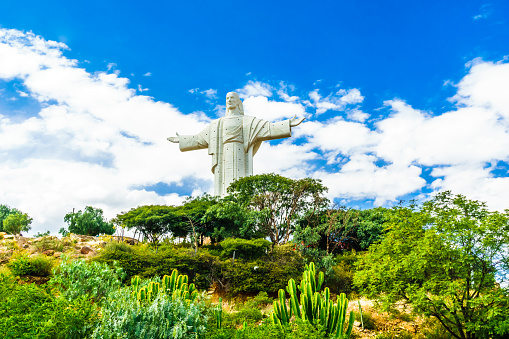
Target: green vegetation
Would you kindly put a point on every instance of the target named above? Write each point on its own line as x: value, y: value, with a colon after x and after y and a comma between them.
x: 89, y: 222
x: 23, y: 264
x: 441, y: 266
x: 448, y: 259
x: 78, y: 278
x: 29, y: 311
x: 16, y: 221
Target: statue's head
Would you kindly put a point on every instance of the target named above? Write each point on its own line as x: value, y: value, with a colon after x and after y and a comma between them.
x: 233, y: 104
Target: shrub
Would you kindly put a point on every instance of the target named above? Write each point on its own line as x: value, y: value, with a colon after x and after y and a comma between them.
x: 22, y: 264
x: 79, y: 278
x: 123, y: 316
x: 143, y: 261
x: 118, y: 246
x: 243, y: 248
x: 367, y: 320
x: 29, y: 311
x: 297, y: 330
x: 255, y: 276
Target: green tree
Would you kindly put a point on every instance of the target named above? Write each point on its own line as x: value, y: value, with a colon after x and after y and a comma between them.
x: 154, y: 221
x: 448, y: 259
x: 277, y: 202
x: 192, y: 214
x: 4, y: 212
x: 338, y: 228
x: 229, y: 219
x: 89, y: 222
x: 17, y: 222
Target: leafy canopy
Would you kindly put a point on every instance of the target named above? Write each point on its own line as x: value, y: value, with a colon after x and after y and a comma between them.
x: 277, y: 202
x: 448, y: 259
x: 89, y: 222
x: 17, y: 222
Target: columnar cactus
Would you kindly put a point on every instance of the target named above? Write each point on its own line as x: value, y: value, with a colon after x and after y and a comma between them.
x: 175, y: 286
x: 219, y: 313
x: 314, y: 306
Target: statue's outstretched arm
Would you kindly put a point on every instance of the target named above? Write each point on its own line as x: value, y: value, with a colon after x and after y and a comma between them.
x: 296, y: 121
x: 174, y: 139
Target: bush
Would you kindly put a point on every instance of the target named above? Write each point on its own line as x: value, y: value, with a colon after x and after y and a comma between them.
x: 79, y: 278
x: 118, y: 246
x: 29, y: 311
x: 123, y: 316
x: 143, y: 261
x: 22, y: 264
x: 255, y: 276
x: 367, y: 320
x: 243, y: 248
x: 297, y: 330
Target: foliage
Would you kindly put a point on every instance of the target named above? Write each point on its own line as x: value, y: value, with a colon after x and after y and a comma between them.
x: 124, y: 316
x: 142, y: 260
x: 449, y: 260
x: 29, y: 311
x: 266, y: 329
x: 22, y: 264
x: 40, y: 235
x: 277, y: 202
x: 117, y: 246
x: 252, y: 277
x: 314, y: 307
x: 93, y: 280
x: 89, y: 222
x: 17, y: 222
x: 229, y: 219
x: 192, y: 217
x: 340, y: 229
x: 243, y: 248
x: 153, y: 221
x: 4, y: 212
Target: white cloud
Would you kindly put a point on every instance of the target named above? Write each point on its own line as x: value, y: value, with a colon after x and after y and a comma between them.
x: 337, y: 136
x: 361, y: 178
x: 147, y: 74
x: 141, y: 89
x: 357, y: 115
x: 210, y: 93
x: 285, y: 158
x: 270, y: 110
x: 485, y: 12
x: 254, y: 89
x: 92, y: 145
x: 334, y: 101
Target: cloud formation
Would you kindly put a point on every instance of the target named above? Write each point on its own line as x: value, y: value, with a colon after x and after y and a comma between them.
x: 96, y: 141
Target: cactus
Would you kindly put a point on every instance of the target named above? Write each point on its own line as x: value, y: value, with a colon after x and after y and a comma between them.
x: 135, y: 282
x: 175, y: 286
x: 219, y: 313
x: 314, y: 307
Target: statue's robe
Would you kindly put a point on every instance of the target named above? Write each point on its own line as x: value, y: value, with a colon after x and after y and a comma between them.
x: 233, y: 141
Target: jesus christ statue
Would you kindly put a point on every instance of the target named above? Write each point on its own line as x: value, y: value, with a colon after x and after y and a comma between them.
x: 233, y: 140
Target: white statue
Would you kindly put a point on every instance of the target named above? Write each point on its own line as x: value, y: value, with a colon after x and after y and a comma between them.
x: 233, y: 141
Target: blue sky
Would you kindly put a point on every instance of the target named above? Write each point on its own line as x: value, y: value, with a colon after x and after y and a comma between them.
x: 402, y: 98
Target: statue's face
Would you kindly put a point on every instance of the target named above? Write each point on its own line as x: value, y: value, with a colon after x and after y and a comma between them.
x: 231, y: 101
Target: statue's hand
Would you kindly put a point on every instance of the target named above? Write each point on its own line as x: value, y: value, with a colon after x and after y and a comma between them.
x: 296, y: 121
x: 174, y: 139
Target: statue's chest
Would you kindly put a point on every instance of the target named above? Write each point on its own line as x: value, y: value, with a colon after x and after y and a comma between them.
x: 232, y: 129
